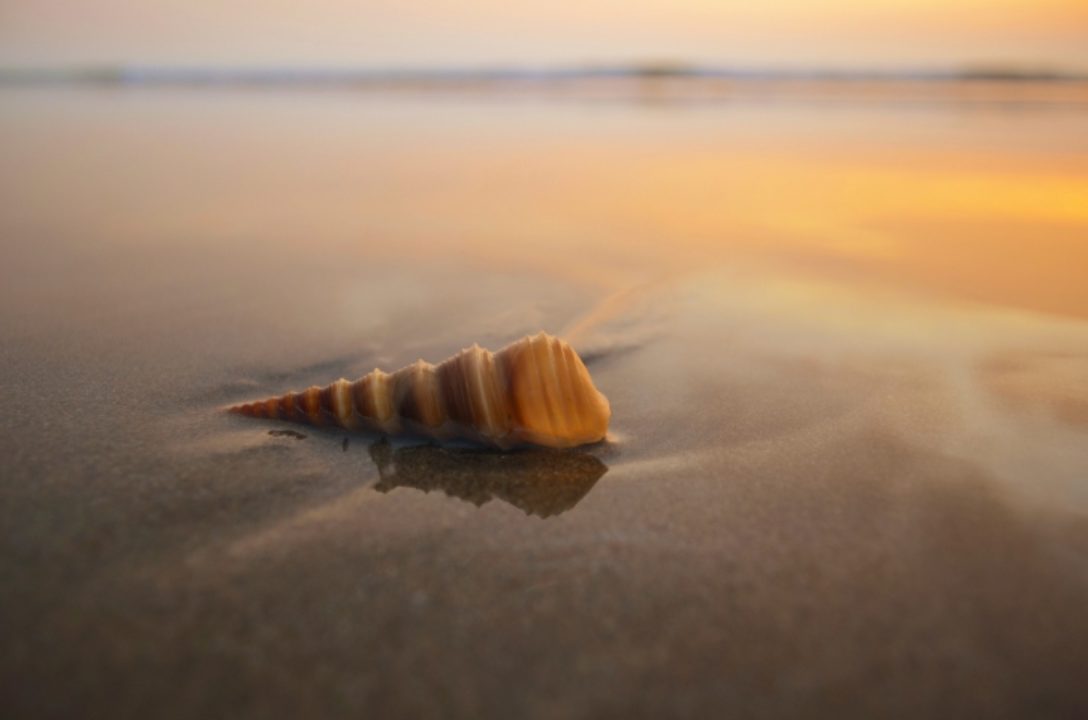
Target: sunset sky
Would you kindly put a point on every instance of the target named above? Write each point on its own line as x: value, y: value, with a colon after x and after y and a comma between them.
x: 776, y: 33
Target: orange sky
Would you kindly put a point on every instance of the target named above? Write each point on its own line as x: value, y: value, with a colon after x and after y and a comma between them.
x: 835, y: 33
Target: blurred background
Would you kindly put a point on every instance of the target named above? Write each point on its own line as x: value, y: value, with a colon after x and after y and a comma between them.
x: 783, y: 34
x: 828, y: 261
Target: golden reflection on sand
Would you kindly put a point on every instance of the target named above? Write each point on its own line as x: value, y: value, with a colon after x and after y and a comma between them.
x: 987, y: 208
x: 921, y: 221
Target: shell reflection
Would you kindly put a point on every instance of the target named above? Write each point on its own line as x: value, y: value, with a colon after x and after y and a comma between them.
x: 538, y: 482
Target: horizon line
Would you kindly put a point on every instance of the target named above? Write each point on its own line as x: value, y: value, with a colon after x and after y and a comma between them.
x: 137, y: 74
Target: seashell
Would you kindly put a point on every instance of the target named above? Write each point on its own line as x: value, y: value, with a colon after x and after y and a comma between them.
x: 536, y: 391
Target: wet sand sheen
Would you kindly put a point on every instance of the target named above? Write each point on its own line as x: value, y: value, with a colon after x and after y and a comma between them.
x: 845, y: 350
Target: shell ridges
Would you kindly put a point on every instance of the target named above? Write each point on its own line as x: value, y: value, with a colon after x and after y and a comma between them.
x: 533, y: 391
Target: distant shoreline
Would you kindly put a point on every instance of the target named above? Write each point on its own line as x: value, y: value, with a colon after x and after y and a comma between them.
x: 153, y: 75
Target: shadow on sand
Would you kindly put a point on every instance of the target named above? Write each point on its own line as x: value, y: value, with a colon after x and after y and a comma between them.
x: 538, y: 482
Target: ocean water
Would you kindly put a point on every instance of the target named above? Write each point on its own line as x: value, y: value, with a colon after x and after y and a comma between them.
x: 843, y: 335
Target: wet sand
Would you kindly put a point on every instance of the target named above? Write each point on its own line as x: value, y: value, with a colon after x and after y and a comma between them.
x: 844, y: 343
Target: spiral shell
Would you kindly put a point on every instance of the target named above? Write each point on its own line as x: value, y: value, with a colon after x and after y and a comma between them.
x: 535, y: 391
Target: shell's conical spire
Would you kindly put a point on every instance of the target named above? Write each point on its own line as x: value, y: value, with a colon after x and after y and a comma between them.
x: 536, y: 390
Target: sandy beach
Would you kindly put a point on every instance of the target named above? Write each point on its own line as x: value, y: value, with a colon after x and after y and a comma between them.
x: 845, y: 342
